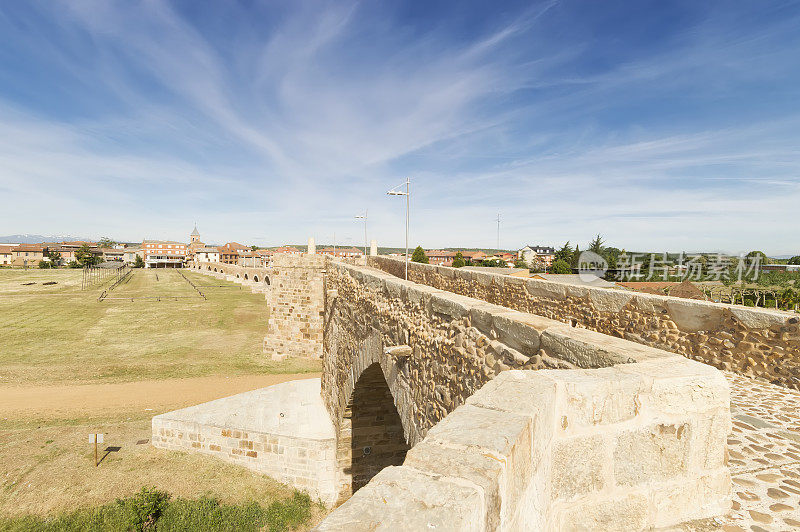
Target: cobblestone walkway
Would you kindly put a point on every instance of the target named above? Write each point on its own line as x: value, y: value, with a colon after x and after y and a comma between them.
x: 764, y: 456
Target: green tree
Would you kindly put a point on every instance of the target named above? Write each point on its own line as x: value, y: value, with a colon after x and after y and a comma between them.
x: 565, y: 253
x: 85, y: 257
x: 596, y: 245
x: 758, y: 254
x: 55, y: 259
x: 458, y: 261
x: 73, y: 264
x: 794, y: 260
x: 419, y: 256
x: 43, y: 264
x: 576, y: 257
x: 139, y: 262
x: 253, y: 248
x: 106, y: 242
x: 560, y: 266
x: 519, y: 263
x: 493, y: 263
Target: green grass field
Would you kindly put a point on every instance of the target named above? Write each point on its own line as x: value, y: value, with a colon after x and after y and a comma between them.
x: 62, y: 334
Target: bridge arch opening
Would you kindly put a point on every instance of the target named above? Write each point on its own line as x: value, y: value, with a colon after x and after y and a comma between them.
x: 237, y: 275
x: 215, y: 269
x: 245, y: 277
x: 255, y: 278
x: 266, y: 279
x: 376, y: 435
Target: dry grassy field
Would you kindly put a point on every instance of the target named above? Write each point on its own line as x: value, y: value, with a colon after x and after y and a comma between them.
x: 62, y: 334
x: 71, y: 365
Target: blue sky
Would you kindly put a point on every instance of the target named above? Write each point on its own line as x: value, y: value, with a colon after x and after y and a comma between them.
x: 662, y: 125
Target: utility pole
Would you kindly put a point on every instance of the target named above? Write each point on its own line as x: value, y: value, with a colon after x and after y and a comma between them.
x: 498, y: 231
x: 407, y: 194
x: 364, y: 217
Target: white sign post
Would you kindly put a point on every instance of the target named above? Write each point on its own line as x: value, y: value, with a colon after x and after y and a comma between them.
x: 95, y: 438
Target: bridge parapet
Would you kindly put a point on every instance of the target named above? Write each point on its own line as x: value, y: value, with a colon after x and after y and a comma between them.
x: 749, y: 341
x: 584, y: 431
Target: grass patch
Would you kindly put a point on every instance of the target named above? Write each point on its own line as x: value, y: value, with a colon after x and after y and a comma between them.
x: 61, y: 334
x: 154, y: 510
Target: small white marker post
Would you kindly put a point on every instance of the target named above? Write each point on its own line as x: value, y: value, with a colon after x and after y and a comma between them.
x: 95, y: 438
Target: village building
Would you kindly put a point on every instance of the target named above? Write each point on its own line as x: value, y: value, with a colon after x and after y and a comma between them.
x: 6, y: 255
x: 194, y: 243
x: 206, y: 254
x: 163, y: 254
x: 29, y: 255
x: 130, y: 253
x: 230, y: 252
x: 545, y: 254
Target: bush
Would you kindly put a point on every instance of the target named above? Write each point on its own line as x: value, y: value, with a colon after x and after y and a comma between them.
x: 73, y: 264
x: 43, y: 264
x: 143, y: 509
x: 560, y: 266
x: 458, y: 261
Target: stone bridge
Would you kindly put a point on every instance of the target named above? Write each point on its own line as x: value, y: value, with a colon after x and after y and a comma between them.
x: 445, y: 403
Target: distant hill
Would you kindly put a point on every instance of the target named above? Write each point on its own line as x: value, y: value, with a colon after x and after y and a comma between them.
x: 35, y: 239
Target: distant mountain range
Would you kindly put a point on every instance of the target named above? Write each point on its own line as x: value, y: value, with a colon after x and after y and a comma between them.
x: 35, y: 239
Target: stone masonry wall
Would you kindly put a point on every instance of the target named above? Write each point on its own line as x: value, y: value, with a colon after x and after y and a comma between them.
x: 448, y: 346
x: 617, y: 436
x: 283, y: 431
x: 748, y: 341
x: 295, y: 306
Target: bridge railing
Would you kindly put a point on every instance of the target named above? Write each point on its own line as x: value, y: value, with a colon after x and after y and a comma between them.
x: 749, y: 341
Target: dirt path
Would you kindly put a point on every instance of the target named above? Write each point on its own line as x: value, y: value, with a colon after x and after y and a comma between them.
x: 154, y: 396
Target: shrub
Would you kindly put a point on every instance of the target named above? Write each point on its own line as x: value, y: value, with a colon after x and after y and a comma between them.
x: 44, y: 264
x: 560, y: 266
x: 143, y: 509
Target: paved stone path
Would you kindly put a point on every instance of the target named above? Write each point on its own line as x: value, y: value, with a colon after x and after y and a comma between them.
x: 764, y: 456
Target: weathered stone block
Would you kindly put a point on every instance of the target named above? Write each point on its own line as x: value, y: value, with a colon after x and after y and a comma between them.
x: 583, y: 348
x: 612, y: 514
x: 694, y: 316
x: 577, y: 467
x: 597, y: 397
x: 608, y: 300
x: 655, y: 453
x: 706, y: 496
x: 470, y: 464
x: 400, y: 498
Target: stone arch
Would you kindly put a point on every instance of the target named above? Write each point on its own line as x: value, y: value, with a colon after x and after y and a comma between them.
x: 255, y: 278
x: 237, y: 275
x: 208, y: 268
x: 245, y: 277
x: 266, y: 280
x: 376, y: 429
x: 215, y: 269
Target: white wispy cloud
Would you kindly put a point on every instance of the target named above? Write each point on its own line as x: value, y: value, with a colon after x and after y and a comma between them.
x: 280, y: 123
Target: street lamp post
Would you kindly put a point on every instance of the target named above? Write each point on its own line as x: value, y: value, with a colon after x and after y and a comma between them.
x: 407, y: 194
x: 364, y: 217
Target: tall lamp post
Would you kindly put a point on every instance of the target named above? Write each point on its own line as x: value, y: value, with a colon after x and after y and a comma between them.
x: 407, y: 194
x: 364, y: 217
